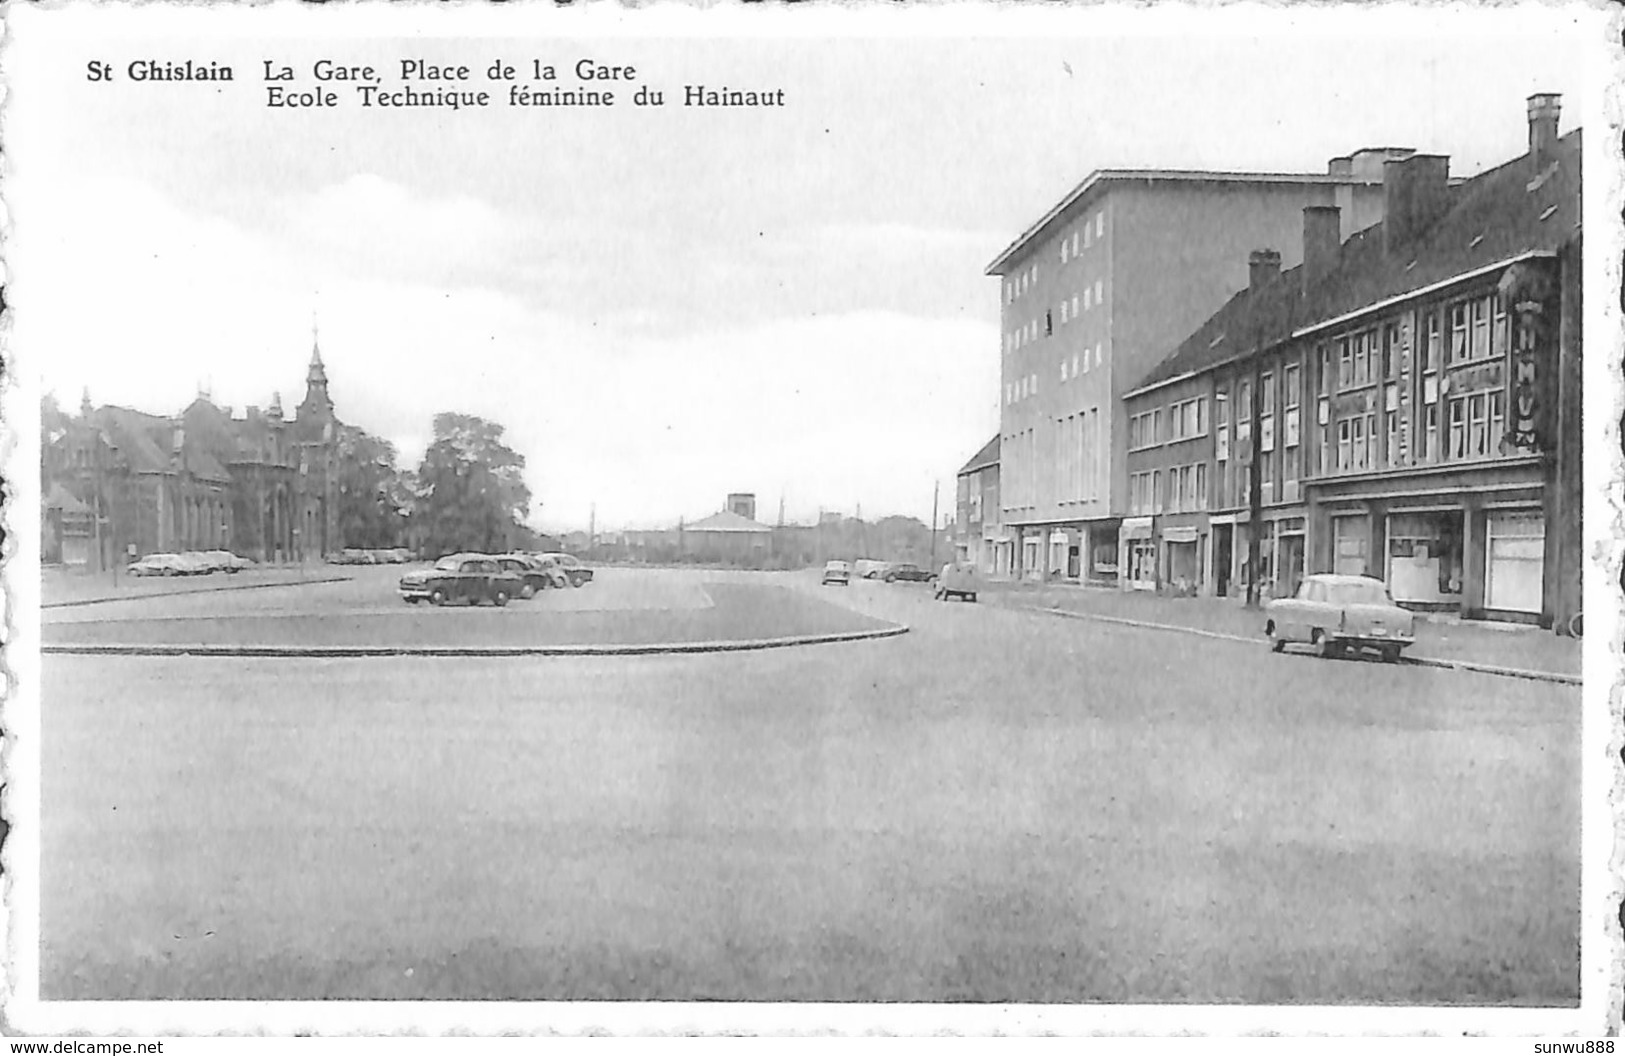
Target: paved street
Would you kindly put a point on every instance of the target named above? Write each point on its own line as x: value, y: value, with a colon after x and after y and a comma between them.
x: 998, y: 806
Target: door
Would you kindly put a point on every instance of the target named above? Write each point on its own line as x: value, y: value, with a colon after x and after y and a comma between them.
x: 1223, y: 546
x: 1290, y: 573
x: 1349, y: 538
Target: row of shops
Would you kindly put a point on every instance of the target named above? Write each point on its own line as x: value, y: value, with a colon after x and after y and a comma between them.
x: 1483, y: 552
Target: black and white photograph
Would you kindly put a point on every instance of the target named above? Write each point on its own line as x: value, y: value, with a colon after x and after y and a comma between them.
x: 954, y: 519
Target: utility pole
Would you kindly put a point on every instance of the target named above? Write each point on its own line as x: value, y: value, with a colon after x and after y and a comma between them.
x: 936, y: 487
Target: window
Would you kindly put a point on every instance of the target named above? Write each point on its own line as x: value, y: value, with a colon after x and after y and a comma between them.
x: 1098, y: 353
x: 1345, y: 450
x: 1157, y: 435
x: 1088, y: 298
x: 1266, y: 415
x: 1063, y: 370
x: 1009, y: 394
x: 1324, y: 354
x: 1498, y: 422
x: 1100, y: 225
x: 1074, y: 364
x: 1074, y: 306
x: 1100, y: 297
x: 1478, y: 425
x: 1393, y: 437
x: 1458, y: 428
x: 1499, y: 330
x: 1201, y: 485
x: 1156, y: 491
x: 1221, y: 427
x: 1086, y: 233
x: 1391, y: 351
x: 1358, y: 437
x: 1371, y: 441
x: 1345, y: 364
x: 1066, y: 245
x: 1432, y: 422
x: 1481, y: 328
x: 1364, y: 353
x: 1033, y: 385
x: 1291, y: 376
x: 1063, y: 313
x: 1458, y: 332
x: 1074, y: 243
x: 1086, y: 361
x: 1430, y: 354
x: 1049, y: 323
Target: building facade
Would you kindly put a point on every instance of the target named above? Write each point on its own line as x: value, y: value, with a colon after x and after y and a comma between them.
x: 263, y: 485
x: 979, y: 536
x: 1094, y: 294
x: 1415, y: 393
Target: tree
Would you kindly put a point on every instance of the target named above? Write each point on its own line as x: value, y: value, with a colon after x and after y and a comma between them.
x: 371, y: 514
x: 471, y: 492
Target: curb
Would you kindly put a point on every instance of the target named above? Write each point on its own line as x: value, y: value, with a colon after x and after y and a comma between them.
x: 1413, y: 661
x: 191, y: 590
x: 366, y: 651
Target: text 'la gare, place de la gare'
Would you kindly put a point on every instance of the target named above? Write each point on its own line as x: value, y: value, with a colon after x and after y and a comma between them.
x: 421, y: 82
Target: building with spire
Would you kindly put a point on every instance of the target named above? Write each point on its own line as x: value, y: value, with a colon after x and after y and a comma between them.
x: 261, y: 485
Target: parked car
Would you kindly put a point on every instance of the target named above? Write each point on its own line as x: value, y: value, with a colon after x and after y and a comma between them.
x: 577, y: 572
x: 1341, y: 614
x: 837, y: 572
x: 461, y: 578
x: 957, y: 581
x: 867, y: 568
x: 908, y: 573
x: 226, y: 561
x: 534, y: 575
x: 158, y: 565
x: 195, y: 564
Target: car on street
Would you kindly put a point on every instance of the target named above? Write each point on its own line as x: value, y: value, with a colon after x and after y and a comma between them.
x: 226, y: 561
x: 158, y: 565
x: 868, y: 568
x: 908, y: 573
x: 957, y: 581
x: 837, y: 572
x: 468, y: 579
x: 1339, y: 615
x: 534, y: 574
x: 578, y: 573
x: 196, y: 564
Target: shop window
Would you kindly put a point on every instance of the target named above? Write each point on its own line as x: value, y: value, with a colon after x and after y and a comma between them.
x: 1425, y: 557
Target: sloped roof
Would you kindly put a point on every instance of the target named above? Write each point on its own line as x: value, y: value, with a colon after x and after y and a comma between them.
x: 727, y: 521
x: 134, y: 434
x: 60, y: 498
x: 987, y: 456
x: 1507, y: 212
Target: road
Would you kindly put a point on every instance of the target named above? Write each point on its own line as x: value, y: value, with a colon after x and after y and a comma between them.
x: 998, y: 806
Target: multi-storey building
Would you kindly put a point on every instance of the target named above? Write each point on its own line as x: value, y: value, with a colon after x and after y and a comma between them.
x: 1415, y: 392
x: 977, y: 530
x: 262, y: 485
x: 1094, y: 294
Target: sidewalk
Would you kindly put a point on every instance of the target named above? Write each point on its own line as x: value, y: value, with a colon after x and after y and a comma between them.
x: 1442, y: 639
x: 60, y: 588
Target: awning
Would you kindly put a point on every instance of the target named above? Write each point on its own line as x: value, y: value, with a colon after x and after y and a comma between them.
x: 1136, y: 528
x: 1182, y: 534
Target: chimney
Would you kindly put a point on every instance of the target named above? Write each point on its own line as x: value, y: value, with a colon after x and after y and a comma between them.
x: 1544, y: 108
x: 1415, y: 194
x: 1369, y: 163
x: 1322, y: 242
x: 1343, y: 166
x: 1263, y: 265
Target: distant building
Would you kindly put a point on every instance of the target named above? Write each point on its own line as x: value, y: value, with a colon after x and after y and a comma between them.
x: 743, y: 504
x: 726, y: 538
x: 1094, y: 294
x: 262, y: 485
x: 978, y: 536
x: 1418, y: 403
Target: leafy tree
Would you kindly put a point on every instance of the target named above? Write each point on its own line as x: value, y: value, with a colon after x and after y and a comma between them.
x: 471, y: 492
x: 370, y: 509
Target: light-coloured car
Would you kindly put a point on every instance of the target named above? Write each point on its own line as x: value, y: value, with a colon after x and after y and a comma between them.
x: 1341, y: 614
x: 577, y: 573
x: 226, y: 561
x: 196, y: 564
x: 158, y: 565
x: 837, y: 572
x: 957, y: 581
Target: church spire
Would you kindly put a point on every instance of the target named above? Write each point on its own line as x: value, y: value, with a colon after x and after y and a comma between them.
x: 318, y: 373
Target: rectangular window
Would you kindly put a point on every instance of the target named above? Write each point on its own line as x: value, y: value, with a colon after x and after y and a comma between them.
x: 1345, y: 364
x: 1498, y: 422
x: 1156, y: 434
x: 1063, y: 313
x: 1430, y: 355
x: 1100, y: 352
x: 1100, y: 296
x: 1074, y: 306
x: 1478, y: 425
x: 1088, y: 298
x: 1362, y: 358
x: 1500, y: 330
x: 1074, y: 364
x: 1156, y: 491
x: 1087, y: 236
x: 1063, y: 370
x: 1358, y: 435
x: 1458, y: 428
x: 1371, y: 459
x: 1393, y: 437
x: 1100, y: 225
x: 1049, y: 323
x: 1201, y: 486
x: 1325, y: 369
x: 1201, y: 416
x: 1481, y: 328
x: 1074, y: 243
x: 1066, y: 246
x: 1345, y: 449
x: 1390, y: 351
x: 1458, y: 332
x: 1432, y: 423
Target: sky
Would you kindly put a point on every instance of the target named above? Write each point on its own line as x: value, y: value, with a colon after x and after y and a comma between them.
x: 662, y: 306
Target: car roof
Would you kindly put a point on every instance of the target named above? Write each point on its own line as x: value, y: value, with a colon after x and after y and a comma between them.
x: 1341, y: 579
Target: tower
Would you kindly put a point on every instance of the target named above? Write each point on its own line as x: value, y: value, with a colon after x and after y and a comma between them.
x: 317, y: 405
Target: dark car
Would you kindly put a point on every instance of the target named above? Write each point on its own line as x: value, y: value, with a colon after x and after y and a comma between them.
x: 533, y: 575
x: 462, y: 579
x: 572, y: 568
x: 908, y: 573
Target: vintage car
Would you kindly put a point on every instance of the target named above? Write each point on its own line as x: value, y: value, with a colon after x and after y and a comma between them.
x: 957, y: 581
x: 226, y: 561
x: 573, y: 569
x: 908, y: 573
x: 1338, y: 615
x: 534, y: 574
x: 462, y: 578
x: 837, y: 572
x: 159, y: 565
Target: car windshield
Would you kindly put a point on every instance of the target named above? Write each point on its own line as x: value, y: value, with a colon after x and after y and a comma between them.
x: 1357, y: 594
x: 447, y: 564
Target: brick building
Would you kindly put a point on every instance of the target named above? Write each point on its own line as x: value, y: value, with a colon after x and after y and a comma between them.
x: 1416, y: 393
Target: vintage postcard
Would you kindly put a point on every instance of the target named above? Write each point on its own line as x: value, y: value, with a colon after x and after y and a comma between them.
x: 843, y: 519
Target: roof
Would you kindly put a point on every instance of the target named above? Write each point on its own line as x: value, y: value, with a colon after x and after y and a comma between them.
x: 133, y: 433
x: 1101, y: 177
x: 1505, y: 214
x: 59, y: 498
x: 987, y: 456
x: 726, y: 521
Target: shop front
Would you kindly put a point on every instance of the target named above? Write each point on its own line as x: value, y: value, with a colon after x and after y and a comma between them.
x: 1183, y: 558
x: 1060, y: 544
x: 1514, y: 561
x: 1426, y: 558
x: 1139, y: 554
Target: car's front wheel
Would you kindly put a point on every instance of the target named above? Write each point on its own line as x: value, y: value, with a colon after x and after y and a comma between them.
x: 437, y: 596
x: 527, y: 591
x: 500, y: 598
